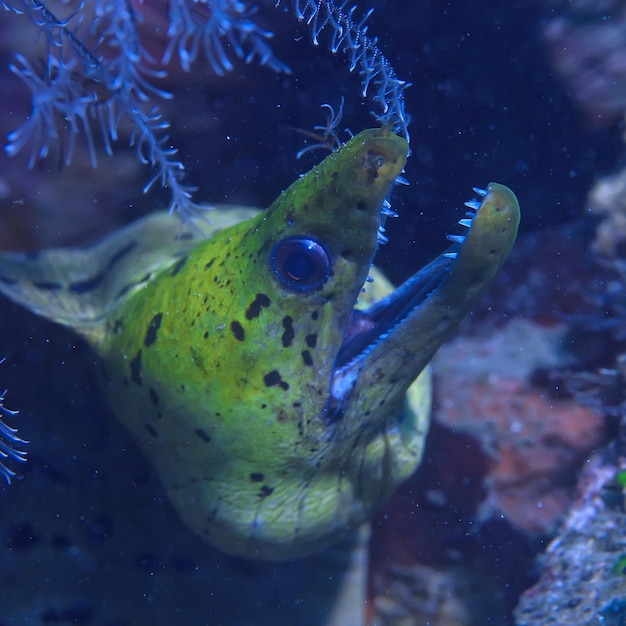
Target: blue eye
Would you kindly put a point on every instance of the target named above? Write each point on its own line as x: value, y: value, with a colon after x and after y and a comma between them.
x: 300, y: 263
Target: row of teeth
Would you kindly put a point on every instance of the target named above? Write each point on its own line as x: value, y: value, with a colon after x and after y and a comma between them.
x: 387, y: 211
x: 466, y: 222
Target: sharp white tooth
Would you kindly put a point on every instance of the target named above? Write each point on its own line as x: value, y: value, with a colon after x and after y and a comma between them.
x: 401, y: 180
x: 473, y: 204
x: 466, y: 222
x: 388, y: 212
x: 450, y: 255
x: 479, y: 191
x: 456, y: 238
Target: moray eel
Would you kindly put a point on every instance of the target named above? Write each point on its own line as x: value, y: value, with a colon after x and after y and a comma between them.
x: 278, y: 415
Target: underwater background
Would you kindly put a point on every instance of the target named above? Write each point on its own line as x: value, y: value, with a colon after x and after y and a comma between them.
x: 516, y: 515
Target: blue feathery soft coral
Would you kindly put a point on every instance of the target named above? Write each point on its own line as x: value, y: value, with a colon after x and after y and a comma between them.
x: 84, y: 91
x: 10, y: 444
x: 349, y: 34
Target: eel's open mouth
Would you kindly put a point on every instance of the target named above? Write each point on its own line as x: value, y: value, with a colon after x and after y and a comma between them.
x: 366, y: 327
x: 426, y: 309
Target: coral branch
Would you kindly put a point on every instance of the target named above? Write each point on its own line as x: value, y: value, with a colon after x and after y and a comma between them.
x: 10, y: 443
x: 88, y: 89
x: 350, y: 36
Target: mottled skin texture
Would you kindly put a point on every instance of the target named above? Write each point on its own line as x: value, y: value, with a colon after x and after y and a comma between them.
x: 225, y: 371
x: 273, y: 434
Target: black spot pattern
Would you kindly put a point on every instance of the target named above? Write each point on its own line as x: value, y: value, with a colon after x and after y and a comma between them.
x: 202, y: 434
x: 95, y: 281
x: 135, y: 369
x: 274, y: 378
x: 120, y: 254
x: 311, y: 340
x: 153, y: 327
x: 271, y: 378
x: 47, y: 286
x: 152, y: 430
x: 238, y: 331
x: 265, y: 491
x: 307, y: 358
x: 126, y: 288
x: 88, y: 285
x: 154, y: 397
x: 254, y: 310
x: 257, y: 477
x: 289, y: 334
x: 178, y: 266
x: 266, y: 245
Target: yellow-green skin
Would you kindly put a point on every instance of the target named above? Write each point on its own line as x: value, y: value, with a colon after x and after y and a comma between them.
x: 228, y: 377
x: 222, y: 373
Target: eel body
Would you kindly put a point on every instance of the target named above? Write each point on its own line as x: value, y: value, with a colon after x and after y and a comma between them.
x: 278, y: 411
